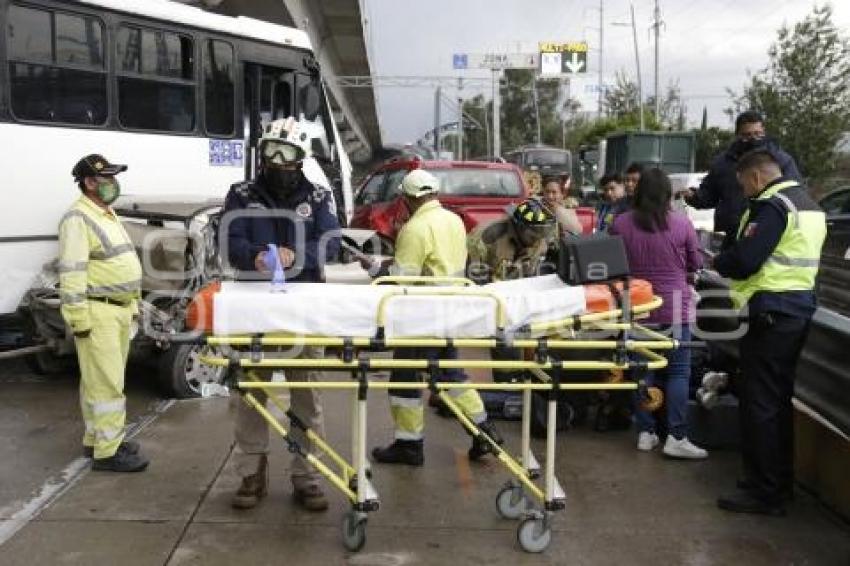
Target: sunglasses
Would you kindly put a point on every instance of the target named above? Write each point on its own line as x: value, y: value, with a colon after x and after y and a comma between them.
x: 280, y: 152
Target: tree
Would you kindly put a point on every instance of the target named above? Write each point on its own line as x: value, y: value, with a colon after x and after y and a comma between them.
x: 710, y: 142
x: 804, y: 92
x: 622, y: 101
x: 519, y: 123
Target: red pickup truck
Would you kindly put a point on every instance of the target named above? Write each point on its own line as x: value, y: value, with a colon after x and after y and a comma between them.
x: 477, y: 191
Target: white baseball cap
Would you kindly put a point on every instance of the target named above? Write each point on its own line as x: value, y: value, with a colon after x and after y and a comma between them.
x: 419, y: 183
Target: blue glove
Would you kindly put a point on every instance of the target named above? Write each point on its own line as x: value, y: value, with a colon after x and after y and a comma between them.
x: 272, y: 261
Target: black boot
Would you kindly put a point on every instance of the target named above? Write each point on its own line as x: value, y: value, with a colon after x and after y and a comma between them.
x: 746, y: 502
x: 121, y: 461
x: 408, y: 452
x: 480, y: 446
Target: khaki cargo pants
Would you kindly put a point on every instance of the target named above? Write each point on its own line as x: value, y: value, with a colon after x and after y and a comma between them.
x: 252, y: 430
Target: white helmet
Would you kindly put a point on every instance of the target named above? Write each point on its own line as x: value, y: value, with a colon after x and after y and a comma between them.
x: 285, y: 140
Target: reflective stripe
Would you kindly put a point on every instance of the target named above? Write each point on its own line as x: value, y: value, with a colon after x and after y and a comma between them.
x: 108, y: 249
x: 71, y: 298
x: 113, y: 251
x: 105, y: 435
x: 795, y: 261
x: 404, y: 435
x: 120, y: 288
x: 70, y: 267
x: 791, y: 207
x: 98, y: 231
x: 406, y: 402
x: 106, y: 407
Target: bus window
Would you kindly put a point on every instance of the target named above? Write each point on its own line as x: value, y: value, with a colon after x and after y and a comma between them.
x: 156, y: 90
x: 56, y: 69
x: 218, y: 88
x: 275, y: 96
x: 311, y: 108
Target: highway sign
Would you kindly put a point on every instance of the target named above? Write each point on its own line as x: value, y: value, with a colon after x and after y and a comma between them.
x: 495, y: 61
x: 563, y: 58
x: 503, y: 60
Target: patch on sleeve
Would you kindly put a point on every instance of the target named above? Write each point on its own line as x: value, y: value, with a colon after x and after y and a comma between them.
x: 304, y: 210
x: 750, y: 230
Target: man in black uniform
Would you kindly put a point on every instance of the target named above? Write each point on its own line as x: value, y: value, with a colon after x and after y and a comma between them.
x: 281, y: 207
x: 720, y: 189
x: 772, y: 265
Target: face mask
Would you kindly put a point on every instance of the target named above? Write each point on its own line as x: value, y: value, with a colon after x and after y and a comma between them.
x: 108, y: 191
x: 742, y: 146
x: 282, y: 181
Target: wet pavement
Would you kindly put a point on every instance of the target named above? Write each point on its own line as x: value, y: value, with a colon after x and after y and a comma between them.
x: 623, y: 507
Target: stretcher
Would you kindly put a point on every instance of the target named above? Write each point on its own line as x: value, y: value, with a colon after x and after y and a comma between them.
x: 536, y: 316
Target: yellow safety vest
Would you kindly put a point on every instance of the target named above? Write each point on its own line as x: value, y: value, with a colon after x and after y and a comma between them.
x: 432, y: 242
x: 96, y: 259
x: 793, y: 265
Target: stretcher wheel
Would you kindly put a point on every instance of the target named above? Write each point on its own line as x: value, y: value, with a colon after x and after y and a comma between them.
x: 353, y: 531
x: 533, y: 535
x: 511, y: 502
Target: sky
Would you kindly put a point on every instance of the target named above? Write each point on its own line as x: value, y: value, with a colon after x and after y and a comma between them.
x: 707, y: 45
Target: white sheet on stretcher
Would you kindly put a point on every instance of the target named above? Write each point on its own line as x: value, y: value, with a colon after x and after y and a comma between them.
x: 330, y: 309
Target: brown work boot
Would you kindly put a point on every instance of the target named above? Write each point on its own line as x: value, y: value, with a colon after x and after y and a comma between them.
x: 310, y: 497
x: 253, y: 488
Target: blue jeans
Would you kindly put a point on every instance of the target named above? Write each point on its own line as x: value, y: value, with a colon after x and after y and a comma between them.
x: 674, y: 381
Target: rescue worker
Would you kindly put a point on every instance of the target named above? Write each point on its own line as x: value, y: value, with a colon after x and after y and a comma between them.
x: 432, y: 242
x: 513, y: 247
x: 772, y: 266
x: 720, y: 189
x: 281, y: 207
x: 99, y: 287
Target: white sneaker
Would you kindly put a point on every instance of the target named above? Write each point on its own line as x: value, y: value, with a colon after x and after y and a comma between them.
x: 684, y: 449
x: 715, y: 380
x: 647, y: 441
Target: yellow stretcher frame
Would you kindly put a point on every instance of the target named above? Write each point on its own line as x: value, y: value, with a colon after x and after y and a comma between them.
x: 515, y: 500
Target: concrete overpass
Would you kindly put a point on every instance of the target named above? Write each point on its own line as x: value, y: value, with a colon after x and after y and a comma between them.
x: 336, y: 31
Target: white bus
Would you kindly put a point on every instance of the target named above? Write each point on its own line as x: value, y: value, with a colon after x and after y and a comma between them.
x: 177, y: 93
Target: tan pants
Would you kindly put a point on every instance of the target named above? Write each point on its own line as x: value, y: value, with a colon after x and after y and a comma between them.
x: 252, y: 430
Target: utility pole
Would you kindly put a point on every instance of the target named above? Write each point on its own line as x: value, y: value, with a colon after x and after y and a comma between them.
x: 437, y: 103
x: 637, y: 64
x: 536, y: 106
x: 486, y: 127
x: 459, y: 120
x: 656, y: 24
x: 601, y: 52
x: 497, y: 113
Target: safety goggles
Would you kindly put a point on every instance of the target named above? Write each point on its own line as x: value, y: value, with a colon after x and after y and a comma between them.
x: 281, y: 152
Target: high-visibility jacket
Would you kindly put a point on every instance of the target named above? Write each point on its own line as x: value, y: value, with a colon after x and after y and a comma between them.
x: 96, y: 259
x: 793, y: 265
x: 432, y: 242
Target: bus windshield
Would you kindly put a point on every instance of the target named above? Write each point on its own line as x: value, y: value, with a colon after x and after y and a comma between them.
x: 548, y: 157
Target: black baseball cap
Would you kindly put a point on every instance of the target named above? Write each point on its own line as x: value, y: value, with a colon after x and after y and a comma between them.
x: 94, y: 165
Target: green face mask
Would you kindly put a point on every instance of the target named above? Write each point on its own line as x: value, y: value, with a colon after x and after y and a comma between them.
x: 108, y: 191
